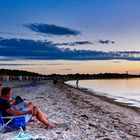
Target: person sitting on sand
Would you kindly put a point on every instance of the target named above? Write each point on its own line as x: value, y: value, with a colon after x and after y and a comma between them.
x: 20, y: 104
x: 31, y: 109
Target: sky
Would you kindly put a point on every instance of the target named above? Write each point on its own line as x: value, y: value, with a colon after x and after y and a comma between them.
x: 70, y: 36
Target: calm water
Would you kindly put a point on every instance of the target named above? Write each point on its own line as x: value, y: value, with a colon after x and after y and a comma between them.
x: 122, y: 90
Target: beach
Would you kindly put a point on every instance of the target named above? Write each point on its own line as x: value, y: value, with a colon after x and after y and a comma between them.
x: 84, y: 116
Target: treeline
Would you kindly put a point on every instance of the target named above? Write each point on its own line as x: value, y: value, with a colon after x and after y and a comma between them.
x: 78, y: 76
x: 5, y: 72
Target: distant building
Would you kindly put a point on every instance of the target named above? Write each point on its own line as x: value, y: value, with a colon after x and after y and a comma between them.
x: 20, y: 78
x: 5, y: 78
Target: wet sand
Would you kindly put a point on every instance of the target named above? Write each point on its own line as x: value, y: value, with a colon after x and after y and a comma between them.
x: 86, y: 116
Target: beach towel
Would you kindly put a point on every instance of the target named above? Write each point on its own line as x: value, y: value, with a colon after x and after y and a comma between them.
x: 22, y: 136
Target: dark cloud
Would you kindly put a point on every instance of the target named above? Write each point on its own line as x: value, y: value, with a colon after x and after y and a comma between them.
x: 106, y: 42
x: 85, y: 43
x: 75, y: 43
x: 4, y: 64
x: 13, y: 64
x: 52, y: 29
x: 46, y: 50
x: 24, y: 48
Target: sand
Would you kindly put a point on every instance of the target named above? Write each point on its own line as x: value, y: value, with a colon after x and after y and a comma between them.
x: 85, y: 116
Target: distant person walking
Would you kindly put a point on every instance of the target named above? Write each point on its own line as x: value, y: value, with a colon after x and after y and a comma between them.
x: 55, y: 81
x: 77, y: 82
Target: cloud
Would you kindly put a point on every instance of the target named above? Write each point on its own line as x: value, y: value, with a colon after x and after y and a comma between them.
x: 11, y: 33
x: 116, y: 61
x: 55, y: 64
x: 24, y: 48
x: 106, y: 42
x: 52, y: 29
x: 85, y: 43
x: 13, y: 64
x: 67, y: 69
x: 5, y: 64
x: 75, y: 43
x: 46, y: 50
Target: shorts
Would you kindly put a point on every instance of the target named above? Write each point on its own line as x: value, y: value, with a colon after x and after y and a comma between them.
x: 19, y: 106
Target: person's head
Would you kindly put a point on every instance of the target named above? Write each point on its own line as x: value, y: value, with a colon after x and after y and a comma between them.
x: 6, y: 92
x: 16, y: 100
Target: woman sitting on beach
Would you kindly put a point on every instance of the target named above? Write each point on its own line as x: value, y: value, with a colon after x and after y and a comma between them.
x: 20, y: 104
x: 30, y: 109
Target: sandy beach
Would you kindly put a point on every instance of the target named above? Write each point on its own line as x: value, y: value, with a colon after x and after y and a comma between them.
x: 86, y: 117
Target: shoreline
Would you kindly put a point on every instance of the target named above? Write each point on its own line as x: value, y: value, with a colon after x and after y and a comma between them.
x: 120, y: 116
x: 105, y: 98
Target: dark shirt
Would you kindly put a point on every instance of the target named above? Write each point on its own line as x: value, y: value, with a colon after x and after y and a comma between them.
x: 4, y: 105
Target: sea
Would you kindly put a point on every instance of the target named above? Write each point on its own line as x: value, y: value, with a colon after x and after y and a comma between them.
x: 121, y: 90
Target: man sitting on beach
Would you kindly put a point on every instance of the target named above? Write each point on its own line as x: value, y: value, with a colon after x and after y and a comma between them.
x: 31, y: 109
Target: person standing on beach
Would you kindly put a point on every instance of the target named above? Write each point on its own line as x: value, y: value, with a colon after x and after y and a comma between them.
x: 77, y: 81
x: 32, y: 109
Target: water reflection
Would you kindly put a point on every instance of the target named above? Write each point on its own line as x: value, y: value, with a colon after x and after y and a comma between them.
x: 122, y: 90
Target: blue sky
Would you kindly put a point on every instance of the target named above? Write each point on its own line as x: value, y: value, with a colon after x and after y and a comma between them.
x: 69, y: 30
